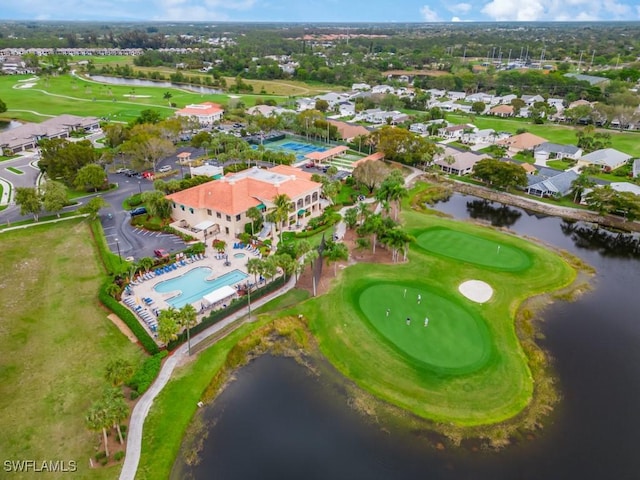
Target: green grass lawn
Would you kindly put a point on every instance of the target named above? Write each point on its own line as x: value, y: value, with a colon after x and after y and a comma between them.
x: 434, y: 329
x: 392, y: 365
x: 65, y: 94
x: 560, y: 164
x: 15, y: 170
x: 473, y: 249
x: 56, y: 342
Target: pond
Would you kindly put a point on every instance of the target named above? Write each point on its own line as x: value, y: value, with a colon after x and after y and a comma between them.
x: 135, y: 82
x: 276, y: 421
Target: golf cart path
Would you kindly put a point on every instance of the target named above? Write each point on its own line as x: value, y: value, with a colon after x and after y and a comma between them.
x: 140, y: 411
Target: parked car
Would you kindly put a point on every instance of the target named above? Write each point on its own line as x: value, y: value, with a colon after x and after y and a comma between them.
x: 161, y: 253
x: 131, y: 173
x: 138, y: 211
x: 122, y: 170
x: 147, y: 175
x: 165, y: 168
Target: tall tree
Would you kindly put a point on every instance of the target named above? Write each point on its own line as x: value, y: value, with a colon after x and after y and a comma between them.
x: 187, y: 317
x: 54, y: 197
x: 579, y: 185
x: 118, y: 371
x: 282, y: 208
x: 3, y: 106
x: 91, y: 176
x: 97, y: 419
x: 167, y: 325
x: 30, y: 201
x: 93, y: 206
x: 370, y: 174
x: 255, y: 215
x: 334, y: 252
x: 157, y: 204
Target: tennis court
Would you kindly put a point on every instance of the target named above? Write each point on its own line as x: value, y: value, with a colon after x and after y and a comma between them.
x: 299, y: 149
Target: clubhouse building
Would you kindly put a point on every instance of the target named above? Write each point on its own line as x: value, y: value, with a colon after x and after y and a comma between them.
x: 220, y: 206
x: 206, y: 114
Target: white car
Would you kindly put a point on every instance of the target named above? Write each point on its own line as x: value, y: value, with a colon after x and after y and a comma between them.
x: 165, y: 168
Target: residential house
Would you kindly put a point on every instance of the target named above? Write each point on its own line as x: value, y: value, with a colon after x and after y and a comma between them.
x: 530, y: 100
x: 26, y: 137
x: 550, y: 183
x: 522, y: 142
x: 221, y: 205
x: 549, y: 151
x: 349, y: 131
x: 305, y: 103
x: 382, y: 89
x: 606, y: 159
x: 206, y: 113
x: 333, y: 98
x: 487, y: 135
x: 264, y: 110
x: 504, y: 100
x: 456, y: 96
x: 378, y: 116
x: 361, y: 86
x: 580, y: 103
x: 502, y: 111
x: 346, y: 109
x: 457, y: 162
x: 456, y: 131
x: 479, y: 97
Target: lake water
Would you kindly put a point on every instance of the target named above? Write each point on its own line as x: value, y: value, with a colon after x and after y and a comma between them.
x: 277, y: 422
x: 135, y: 82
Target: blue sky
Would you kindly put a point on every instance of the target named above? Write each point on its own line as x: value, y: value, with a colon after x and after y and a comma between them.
x: 321, y: 10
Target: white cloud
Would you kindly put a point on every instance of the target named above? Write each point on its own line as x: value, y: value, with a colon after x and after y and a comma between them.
x: 460, y: 8
x: 557, y: 10
x: 455, y: 19
x: 429, y: 15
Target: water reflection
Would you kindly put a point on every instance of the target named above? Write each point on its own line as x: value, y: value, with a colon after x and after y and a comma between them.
x: 137, y: 82
x: 608, y: 243
x: 499, y: 215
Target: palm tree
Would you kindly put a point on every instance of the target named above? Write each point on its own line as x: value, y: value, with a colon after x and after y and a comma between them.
x: 146, y: 263
x: 167, y: 96
x: 118, y: 371
x: 286, y: 263
x: 270, y: 267
x: 579, y: 185
x: 254, y: 214
x: 113, y: 290
x: 310, y: 259
x: 98, y: 419
x: 336, y: 252
x: 255, y: 266
x: 187, y: 317
x: 167, y: 325
x: 282, y: 208
x: 116, y: 407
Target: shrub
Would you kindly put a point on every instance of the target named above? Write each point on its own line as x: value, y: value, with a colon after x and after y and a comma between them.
x: 100, y: 455
x: 147, y: 373
x: 127, y: 317
x: 133, y: 395
x: 135, y: 200
x: 118, y: 456
x: 104, y: 461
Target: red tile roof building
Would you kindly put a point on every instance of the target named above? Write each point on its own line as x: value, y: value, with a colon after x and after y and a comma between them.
x: 225, y: 201
x: 205, y: 113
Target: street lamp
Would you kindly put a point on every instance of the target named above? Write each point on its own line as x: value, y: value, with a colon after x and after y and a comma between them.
x: 118, y: 247
x: 249, y: 299
x: 140, y: 187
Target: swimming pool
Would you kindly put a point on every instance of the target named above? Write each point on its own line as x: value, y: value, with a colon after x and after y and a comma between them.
x: 194, y: 285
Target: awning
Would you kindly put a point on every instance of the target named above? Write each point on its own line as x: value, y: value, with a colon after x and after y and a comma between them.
x: 302, y: 211
x: 219, y: 294
x: 204, y: 225
x: 262, y: 206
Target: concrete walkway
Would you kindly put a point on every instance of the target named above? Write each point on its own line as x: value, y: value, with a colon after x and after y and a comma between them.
x: 140, y: 411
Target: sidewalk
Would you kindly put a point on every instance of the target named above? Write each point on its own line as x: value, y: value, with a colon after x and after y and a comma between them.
x: 140, y: 411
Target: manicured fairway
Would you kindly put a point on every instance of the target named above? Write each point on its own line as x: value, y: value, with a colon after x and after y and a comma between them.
x: 472, y: 249
x: 453, y: 341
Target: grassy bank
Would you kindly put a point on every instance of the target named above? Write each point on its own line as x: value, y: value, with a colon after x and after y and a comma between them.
x: 56, y: 340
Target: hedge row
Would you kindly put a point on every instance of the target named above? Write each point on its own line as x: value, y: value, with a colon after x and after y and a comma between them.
x: 217, y: 315
x: 332, y: 219
x: 147, y: 373
x: 127, y: 317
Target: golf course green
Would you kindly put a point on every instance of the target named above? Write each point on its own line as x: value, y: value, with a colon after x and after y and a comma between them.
x: 427, y: 326
x: 473, y: 249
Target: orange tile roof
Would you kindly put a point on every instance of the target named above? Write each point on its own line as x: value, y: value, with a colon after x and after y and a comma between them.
x: 373, y: 156
x: 233, y: 196
x: 502, y: 109
x: 347, y: 131
x: 289, y: 170
x: 523, y: 141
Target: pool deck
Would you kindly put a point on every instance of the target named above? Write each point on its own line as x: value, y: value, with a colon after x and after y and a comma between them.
x: 145, y: 288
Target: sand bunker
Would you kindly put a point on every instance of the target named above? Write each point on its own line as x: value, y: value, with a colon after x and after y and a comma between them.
x: 476, y: 291
x: 24, y: 85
